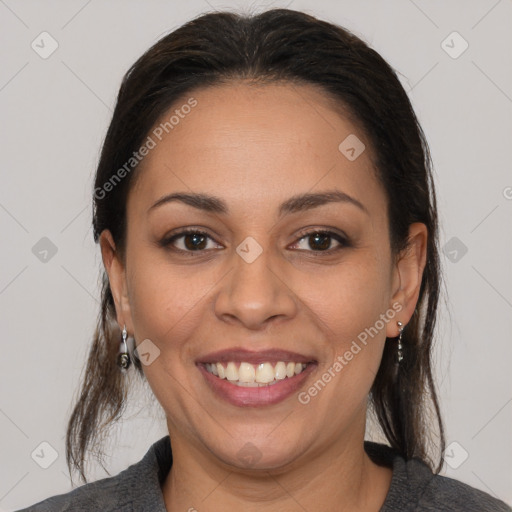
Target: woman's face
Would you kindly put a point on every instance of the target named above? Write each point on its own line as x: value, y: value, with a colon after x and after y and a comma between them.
x: 258, y: 288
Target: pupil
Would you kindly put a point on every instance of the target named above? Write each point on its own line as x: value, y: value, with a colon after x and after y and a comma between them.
x: 323, y: 238
x: 197, y: 238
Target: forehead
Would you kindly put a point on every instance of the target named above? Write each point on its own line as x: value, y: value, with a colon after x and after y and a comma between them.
x: 253, y: 144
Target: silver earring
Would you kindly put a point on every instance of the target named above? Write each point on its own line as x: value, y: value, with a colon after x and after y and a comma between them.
x: 123, y: 359
x: 400, y: 355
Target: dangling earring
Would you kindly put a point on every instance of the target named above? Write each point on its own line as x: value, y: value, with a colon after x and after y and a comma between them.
x: 400, y: 356
x: 123, y: 359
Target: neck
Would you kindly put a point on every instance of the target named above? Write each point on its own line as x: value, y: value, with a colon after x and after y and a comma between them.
x: 341, y: 478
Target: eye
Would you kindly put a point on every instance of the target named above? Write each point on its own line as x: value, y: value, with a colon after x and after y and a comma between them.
x: 193, y: 240
x: 320, y: 240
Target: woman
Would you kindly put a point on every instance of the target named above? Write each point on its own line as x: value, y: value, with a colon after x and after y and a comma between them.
x: 267, y: 220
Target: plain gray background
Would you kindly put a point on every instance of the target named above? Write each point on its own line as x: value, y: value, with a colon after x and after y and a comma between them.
x: 55, y: 112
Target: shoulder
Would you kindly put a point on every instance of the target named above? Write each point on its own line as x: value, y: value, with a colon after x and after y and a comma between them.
x: 99, y: 495
x: 136, y: 488
x: 444, y: 493
x: 414, y: 487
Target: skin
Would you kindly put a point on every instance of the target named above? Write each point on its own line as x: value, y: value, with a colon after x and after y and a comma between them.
x: 255, y: 147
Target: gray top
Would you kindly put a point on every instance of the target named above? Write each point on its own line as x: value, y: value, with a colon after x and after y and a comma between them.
x: 138, y: 488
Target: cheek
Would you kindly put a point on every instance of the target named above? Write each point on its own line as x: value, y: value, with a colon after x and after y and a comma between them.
x: 347, y: 305
x: 347, y: 312
x: 349, y: 297
x: 162, y: 299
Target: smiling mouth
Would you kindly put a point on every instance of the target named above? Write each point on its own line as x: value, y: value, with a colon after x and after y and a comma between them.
x: 245, y: 374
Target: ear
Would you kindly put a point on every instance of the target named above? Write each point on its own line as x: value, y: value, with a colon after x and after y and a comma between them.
x: 407, y: 276
x: 117, y: 279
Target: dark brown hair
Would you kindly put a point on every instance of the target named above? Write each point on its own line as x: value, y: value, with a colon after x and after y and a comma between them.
x: 290, y: 46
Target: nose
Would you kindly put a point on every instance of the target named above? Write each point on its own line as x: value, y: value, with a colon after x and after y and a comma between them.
x: 255, y: 294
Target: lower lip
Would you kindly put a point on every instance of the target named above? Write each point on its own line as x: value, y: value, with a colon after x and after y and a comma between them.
x: 257, y: 396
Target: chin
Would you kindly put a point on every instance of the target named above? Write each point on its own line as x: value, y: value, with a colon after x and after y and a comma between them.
x: 259, y: 452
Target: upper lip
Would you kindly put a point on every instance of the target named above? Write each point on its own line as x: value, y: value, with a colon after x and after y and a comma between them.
x: 254, y: 356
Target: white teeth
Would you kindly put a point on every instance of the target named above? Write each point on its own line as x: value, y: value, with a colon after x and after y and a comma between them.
x: 231, y: 371
x: 212, y: 368
x: 265, y: 373
x: 280, y: 370
x: 248, y: 375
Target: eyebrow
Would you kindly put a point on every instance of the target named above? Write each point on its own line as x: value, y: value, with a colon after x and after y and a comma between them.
x: 294, y: 204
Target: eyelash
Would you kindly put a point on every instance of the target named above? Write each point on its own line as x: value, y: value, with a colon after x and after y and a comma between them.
x: 168, y: 241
